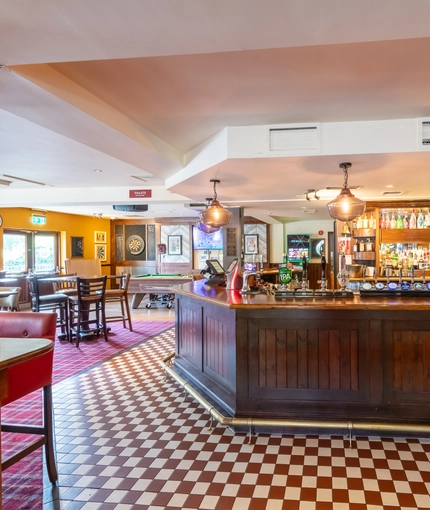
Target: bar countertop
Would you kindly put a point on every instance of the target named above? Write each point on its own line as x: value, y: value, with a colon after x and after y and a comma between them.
x: 234, y: 299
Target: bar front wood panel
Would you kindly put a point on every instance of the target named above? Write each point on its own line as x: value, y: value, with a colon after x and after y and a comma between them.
x: 358, y: 361
x: 189, y: 329
x: 304, y: 356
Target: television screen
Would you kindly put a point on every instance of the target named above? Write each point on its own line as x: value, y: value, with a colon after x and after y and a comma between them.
x: 203, y: 241
x: 298, y: 247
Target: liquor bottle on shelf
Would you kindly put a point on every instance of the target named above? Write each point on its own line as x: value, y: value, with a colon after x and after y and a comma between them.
x: 365, y: 222
x: 392, y: 221
x: 405, y: 221
x: 399, y: 222
x: 372, y: 222
x: 413, y: 220
x: 382, y: 222
x: 359, y: 223
x: 420, y: 220
x: 427, y: 219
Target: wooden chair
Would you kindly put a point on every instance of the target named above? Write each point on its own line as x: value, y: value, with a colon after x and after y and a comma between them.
x: 87, y: 310
x: 50, y: 302
x: 66, y: 284
x: 29, y: 376
x: 120, y: 296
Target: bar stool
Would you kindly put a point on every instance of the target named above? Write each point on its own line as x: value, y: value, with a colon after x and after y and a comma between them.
x: 29, y: 376
x: 50, y: 302
x: 120, y: 296
x: 87, y: 310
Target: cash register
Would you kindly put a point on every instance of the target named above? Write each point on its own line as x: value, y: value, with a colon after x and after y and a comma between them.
x: 214, y: 273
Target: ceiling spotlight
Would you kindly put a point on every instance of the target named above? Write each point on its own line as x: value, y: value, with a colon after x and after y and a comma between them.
x: 315, y: 195
x: 215, y: 215
x: 346, y: 206
x: 307, y: 197
x: 98, y: 215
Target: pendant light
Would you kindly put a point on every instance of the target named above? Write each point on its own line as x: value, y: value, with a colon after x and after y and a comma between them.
x: 346, y: 206
x: 215, y: 216
x: 205, y: 228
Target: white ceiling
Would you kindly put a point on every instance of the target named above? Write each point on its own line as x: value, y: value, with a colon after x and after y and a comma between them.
x: 166, y: 95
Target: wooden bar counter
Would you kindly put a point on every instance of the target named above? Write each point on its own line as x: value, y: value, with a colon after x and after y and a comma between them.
x: 347, y: 360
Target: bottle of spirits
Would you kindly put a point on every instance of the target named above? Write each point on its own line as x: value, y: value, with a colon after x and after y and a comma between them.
x: 392, y: 221
x: 382, y: 222
x: 420, y: 220
x: 405, y: 221
x: 428, y: 218
x: 372, y: 222
x: 387, y: 221
x: 360, y: 223
x: 399, y: 222
x: 365, y: 222
x: 413, y: 220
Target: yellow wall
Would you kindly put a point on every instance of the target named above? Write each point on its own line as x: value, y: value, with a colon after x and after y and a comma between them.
x: 69, y: 225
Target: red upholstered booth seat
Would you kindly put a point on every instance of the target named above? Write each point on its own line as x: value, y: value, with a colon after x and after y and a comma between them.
x: 31, y: 375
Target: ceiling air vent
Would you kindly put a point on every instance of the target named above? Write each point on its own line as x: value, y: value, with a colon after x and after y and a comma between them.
x: 424, y: 134
x: 293, y: 139
x: 391, y: 193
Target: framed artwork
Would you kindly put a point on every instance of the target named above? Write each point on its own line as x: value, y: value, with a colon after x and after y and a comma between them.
x: 251, y: 244
x: 77, y: 247
x: 99, y: 237
x: 317, y: 248
x: 100, y: 252
x: 174, y: 245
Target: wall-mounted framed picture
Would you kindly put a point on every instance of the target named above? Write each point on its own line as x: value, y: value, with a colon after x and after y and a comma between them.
x: 77, y: 247
x: 99, y: 237
x: 174, y: 245
x: 251, y: 244
x: 317, y: 248
x: 100, y: 252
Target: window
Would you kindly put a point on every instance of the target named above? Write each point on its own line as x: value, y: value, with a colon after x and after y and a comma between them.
x: 34, y: 251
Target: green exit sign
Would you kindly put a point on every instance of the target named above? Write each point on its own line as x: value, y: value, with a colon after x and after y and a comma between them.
x: 38, y: 220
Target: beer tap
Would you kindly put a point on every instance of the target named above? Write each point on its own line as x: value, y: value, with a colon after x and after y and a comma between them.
x: 323, y: 292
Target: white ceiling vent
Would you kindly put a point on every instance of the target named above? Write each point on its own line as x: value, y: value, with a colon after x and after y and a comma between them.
x: 293, y: 139
x: 424, y: 134
x: 391, y: 193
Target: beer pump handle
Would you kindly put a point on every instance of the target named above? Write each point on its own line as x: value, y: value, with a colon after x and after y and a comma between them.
x: 323, y: 263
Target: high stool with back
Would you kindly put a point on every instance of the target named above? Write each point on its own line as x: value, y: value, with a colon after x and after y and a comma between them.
x: 29, y: 376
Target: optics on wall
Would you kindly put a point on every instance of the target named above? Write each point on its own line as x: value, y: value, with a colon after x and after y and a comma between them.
x: 215, y: 216
x: 346, y: 206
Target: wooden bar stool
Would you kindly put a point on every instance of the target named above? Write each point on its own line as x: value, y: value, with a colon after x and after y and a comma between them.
x: 87, y: 310
x: 120, y: 296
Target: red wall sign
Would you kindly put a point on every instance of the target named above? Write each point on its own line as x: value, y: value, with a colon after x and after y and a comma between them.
x: 140, y: 193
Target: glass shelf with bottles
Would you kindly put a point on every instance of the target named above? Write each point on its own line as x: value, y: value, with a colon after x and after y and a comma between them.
x: 404, y: 219
x: 406, y: 256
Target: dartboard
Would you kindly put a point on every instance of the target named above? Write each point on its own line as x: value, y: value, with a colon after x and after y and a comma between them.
x: 135, y: 244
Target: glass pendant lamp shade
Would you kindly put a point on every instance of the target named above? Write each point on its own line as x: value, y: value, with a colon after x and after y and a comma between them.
x: 215, y: 216
x: 346, y: 206
x: 206, y: 228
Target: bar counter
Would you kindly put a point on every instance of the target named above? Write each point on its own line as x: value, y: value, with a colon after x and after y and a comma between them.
x: 360, y: 360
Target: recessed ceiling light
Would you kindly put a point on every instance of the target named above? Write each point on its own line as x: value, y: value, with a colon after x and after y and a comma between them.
x: 98, y: 170
x: 389, y: 186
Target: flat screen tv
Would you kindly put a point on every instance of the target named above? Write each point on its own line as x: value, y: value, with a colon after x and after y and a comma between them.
x: 298, y: 247
x: 203, y: 241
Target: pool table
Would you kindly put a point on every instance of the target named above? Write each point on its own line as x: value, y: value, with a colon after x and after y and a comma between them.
x: 154, y: 284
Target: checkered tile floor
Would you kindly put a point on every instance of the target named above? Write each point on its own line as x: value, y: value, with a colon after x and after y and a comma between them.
x: 127, y: 440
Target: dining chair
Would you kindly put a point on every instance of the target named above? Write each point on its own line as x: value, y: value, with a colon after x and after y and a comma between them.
x: 120, y: 296
x: 65, y: 284
x: 26, y: 377
x: 87, y: 316
x: 10, y: 303
x: 50, y: 302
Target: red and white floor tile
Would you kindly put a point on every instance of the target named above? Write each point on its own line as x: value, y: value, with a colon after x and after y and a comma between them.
x: 127, y: 440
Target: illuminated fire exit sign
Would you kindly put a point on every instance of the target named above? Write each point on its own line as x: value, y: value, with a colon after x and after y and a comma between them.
x: 38, y: 220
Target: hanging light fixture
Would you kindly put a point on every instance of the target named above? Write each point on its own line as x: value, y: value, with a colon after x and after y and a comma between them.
x: 346, y: 206
x: 215, y: 215
x: 205, y: 228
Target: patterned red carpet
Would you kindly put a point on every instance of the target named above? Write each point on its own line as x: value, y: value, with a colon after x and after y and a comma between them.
x: 68, y: 361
